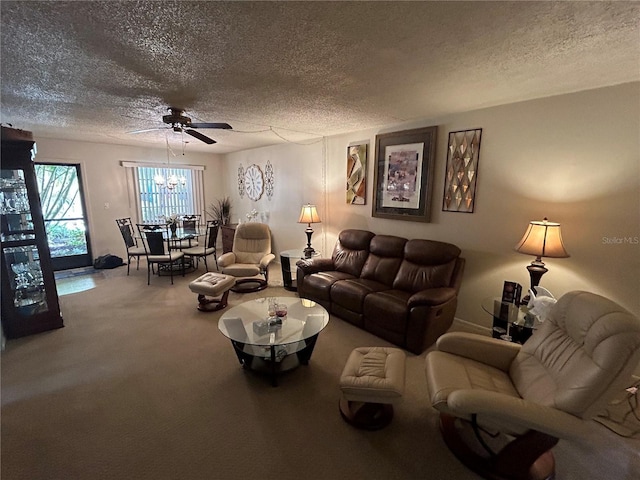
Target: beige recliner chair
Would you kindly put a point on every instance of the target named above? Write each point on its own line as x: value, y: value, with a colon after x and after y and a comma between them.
x: 503, y: 406
x: 249, y: 258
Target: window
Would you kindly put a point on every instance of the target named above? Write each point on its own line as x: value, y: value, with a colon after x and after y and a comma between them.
x: 149, y: 202
x: 157, y: 201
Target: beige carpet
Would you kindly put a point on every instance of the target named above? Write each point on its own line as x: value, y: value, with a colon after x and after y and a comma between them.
x: 141, y: 385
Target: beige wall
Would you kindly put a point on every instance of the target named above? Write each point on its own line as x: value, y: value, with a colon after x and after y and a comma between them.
x: 574, y: 158
x: 298, y: 172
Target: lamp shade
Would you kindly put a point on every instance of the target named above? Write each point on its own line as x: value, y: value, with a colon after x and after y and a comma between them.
x: 542, y: 239
x: 309, y: 214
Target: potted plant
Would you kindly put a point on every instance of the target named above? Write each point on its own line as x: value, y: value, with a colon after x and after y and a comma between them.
x: 220, y: 210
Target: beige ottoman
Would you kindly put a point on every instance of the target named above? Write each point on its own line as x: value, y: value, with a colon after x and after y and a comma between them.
x: 212, y: 285
x: 371, y: 381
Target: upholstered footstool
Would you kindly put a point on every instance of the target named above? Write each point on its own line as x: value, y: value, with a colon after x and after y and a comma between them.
x: 212, y: 285
x: 372, y: 379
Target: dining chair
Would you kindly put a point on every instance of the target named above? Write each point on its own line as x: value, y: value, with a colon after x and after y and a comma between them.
x: 131, y: 242
x: 190, y: 228
x: 208, y: 247
x: 154, y: 238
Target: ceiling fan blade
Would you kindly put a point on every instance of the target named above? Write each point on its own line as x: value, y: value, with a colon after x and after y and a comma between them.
x: 223, y: 126
x: 147, y: 130
x: 200, y: 137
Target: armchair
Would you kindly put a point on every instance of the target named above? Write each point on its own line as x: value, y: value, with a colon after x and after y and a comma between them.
x: 249, y: 258
x: 503, y: 406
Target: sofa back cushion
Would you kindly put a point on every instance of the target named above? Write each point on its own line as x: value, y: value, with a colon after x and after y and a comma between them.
x: 385, y: 256
x: 351, y: 251
x: 426, y: 264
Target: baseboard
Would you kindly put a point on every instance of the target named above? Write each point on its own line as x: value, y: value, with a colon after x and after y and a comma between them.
x: 460, y: 325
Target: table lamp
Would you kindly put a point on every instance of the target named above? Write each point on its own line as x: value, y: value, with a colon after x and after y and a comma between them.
x: 542, y: 239
x: 309, y: 215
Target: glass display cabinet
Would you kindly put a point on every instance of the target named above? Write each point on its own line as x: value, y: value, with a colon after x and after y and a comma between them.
x: 29, y: 296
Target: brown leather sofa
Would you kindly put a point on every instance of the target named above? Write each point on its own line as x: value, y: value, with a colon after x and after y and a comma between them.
x: 404, y: 291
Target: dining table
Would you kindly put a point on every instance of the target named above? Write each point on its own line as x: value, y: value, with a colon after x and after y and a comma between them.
x: 175, y: 239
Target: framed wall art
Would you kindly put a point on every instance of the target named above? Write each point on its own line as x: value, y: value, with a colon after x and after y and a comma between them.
x: 357, y: 174
x: 404, y: 174
x: 461, y: 174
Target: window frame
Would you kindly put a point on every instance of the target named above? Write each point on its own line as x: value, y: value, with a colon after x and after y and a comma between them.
x: 140, y: 184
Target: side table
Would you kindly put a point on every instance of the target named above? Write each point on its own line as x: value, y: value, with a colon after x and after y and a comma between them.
x: 509, y: 319
x: 288, y: 259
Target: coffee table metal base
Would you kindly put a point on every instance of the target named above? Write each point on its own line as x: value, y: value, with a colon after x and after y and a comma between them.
x: 277, y: 361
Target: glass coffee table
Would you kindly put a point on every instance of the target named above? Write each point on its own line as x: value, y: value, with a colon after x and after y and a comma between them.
x: 263, y: 344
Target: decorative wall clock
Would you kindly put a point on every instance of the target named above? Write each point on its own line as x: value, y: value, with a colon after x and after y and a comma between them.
x: 253, y: 182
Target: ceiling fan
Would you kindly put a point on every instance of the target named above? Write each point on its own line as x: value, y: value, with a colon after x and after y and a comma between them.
x: 179, y: 122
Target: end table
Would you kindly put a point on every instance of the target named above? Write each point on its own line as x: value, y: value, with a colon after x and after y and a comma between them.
x: 510, y: 319
x: 288, y: 259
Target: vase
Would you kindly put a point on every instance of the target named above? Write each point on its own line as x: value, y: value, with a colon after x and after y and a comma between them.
x: 173, y: 228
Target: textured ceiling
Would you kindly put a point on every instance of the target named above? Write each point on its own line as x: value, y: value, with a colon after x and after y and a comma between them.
x: 297, y: 70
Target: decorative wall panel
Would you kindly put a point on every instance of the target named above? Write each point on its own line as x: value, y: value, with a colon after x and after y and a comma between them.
x: 462, y: 171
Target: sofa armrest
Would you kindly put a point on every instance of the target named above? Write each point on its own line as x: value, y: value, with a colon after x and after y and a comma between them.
x: 431, y: 297
x: 315, y: 265
x: 490, y: 351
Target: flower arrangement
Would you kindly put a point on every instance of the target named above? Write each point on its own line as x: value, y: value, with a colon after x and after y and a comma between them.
x: 172, y: 219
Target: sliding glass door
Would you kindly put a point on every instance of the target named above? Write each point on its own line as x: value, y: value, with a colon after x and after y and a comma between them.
x: 63, y: 208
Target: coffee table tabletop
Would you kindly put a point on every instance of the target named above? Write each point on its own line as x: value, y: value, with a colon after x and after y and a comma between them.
x: 273, y: 348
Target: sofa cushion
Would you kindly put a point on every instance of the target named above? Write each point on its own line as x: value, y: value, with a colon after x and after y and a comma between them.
x: 351, y: 251
x: 426, y: 264
x: 350, y: 293
x: 387, y: 309
x: 430, y: 252
x: 318, y: 285
x: 385, y: 256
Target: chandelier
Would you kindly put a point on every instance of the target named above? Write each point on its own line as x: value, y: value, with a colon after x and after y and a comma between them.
x: 172, y: 180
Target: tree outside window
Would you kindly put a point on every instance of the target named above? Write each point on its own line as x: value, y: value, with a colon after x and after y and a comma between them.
x: 62, y: 209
